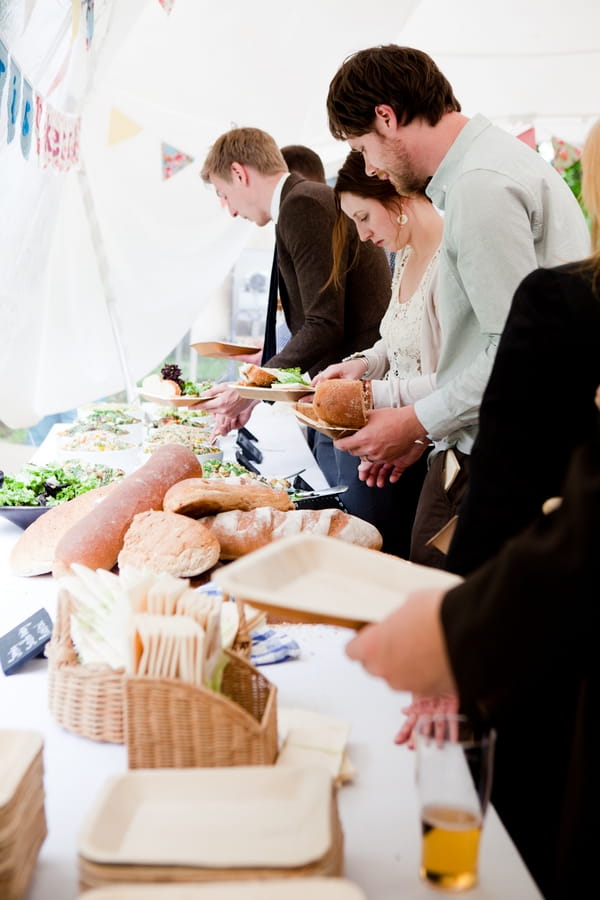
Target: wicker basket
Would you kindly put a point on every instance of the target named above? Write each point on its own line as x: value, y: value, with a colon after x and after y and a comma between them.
x: 173, y: 724
x: 87, y: 700
x: 169, y: 723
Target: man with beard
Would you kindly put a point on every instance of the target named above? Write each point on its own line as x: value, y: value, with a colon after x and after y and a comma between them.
x: 506, y: 211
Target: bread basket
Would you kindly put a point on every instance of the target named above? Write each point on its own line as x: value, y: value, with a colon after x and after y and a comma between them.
x: 164, y: 722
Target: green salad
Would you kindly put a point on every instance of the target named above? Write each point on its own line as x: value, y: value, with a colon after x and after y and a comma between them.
x: 53, y: 483
x: 291, y: 376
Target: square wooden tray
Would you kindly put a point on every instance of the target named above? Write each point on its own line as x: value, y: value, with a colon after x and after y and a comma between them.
x: 311, y: 578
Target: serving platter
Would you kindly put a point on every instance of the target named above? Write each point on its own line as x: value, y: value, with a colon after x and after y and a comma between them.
x: 22, y: 516
x: 281, y: 392
x: 182, y: 400
x: 219, y: 349
x: 331, y: 431
x: 312, y: 578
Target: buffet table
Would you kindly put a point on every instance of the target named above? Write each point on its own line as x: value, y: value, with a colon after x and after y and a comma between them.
x: 378, y: 809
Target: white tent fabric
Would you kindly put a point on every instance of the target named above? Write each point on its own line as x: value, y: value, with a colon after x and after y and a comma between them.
x: 106, y: 266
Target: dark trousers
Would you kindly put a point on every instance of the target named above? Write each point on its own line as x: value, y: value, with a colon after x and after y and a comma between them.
x: 391, y: 509
x: 436, y: 507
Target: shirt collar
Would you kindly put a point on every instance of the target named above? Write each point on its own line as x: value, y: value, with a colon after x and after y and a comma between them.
x: 448, y: 169
x: 276, y: 198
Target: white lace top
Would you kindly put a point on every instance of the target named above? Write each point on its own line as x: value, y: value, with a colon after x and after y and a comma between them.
x: 402, y: 324
x: 401, y: 365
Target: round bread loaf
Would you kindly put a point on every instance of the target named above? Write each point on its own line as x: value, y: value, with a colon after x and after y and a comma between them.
x: 205, y: 496
x: 240, y: 532
x: 167, y: 542
x: 342, y: 402
x: 34, y: 552
x: 96, y: 540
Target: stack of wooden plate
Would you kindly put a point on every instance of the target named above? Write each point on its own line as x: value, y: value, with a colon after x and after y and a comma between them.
x: 22, y: 814
x: 235, y: 824
x: 276, y: 889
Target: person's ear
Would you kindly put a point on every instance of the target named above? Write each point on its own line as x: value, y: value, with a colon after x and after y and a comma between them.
x: 238, y: 173
x: 386, y: 117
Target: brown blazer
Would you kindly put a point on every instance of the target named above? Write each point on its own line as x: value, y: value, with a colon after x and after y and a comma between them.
x: 325, y: 325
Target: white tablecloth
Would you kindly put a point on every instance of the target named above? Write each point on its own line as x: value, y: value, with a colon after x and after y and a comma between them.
x: 378, y: 810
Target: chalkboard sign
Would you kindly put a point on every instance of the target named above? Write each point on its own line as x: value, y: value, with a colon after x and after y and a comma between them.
x: 25, y: 641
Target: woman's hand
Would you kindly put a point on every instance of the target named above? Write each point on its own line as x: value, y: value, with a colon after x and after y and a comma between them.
x: 424, y: 706
x: 351, y: 370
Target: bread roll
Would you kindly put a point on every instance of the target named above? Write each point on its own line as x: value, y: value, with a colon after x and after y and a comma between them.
x: 96, y: 540
x: 160, y: 387
x: 241, y: 532
x: 205, y: 496
x: 167, y: 542
x: 343, y: 403
x: 34, y: 552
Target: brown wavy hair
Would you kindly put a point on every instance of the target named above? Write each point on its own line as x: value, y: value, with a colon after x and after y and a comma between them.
x: 403, y: 78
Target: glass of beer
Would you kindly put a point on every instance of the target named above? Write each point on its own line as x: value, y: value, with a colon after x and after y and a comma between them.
x: 454, y: 764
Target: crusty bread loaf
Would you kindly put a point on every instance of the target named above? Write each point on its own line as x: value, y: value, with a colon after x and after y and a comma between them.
x: 257, y: 376
x: 205, y: 496
x: 342, y: 402
x: 167, y: 542
x: 241, y: 532
x: 95, y: 541
x: 34, y: 552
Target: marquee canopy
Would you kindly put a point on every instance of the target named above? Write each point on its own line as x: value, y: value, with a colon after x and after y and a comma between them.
x: 110, y: 244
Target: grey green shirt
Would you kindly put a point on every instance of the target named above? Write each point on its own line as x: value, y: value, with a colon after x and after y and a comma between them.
x: 506, y: 212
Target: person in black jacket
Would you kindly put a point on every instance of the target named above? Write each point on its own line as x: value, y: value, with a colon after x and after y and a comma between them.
x: 517, y: 640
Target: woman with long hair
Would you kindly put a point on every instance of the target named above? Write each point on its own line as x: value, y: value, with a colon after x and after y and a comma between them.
x: 401, y: 365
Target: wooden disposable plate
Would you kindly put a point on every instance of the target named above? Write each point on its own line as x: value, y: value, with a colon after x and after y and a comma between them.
x: 182, y: 400
x: 234, y: 817
x: 277, y: 392
x: 311, y: 578
x: 217, y: 349
x: 331, y: 431
x: 18, y: 750
x: 277, y: 889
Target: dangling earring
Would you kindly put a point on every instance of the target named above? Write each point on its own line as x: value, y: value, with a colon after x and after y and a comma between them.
x: 402, y: 219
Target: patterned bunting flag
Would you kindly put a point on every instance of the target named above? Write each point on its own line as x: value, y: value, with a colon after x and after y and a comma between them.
x: 565, y: 154
x: 89, y: 23
x: 26, y: 118
x: 173, y: 160
x: 14, y: 99
x: 3, y: 66
x: 60, y: 140
x: 167, y: 5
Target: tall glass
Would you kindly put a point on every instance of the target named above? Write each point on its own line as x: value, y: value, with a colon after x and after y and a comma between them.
x: 454, y: 766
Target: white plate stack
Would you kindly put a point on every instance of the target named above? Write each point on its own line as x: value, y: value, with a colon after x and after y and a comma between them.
x: 22, y: 812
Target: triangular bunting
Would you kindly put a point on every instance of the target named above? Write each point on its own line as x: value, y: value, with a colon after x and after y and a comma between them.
x: 565, y: 155
x: 167, y: 5
x: 173, y: 160
x: 528, y: 137
x: 121, y: 127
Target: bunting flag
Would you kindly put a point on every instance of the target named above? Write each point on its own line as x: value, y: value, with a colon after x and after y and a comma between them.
x: 14, y: 99
x: 38, y: 126
x: 75, y: 14
x: 59, y: 139
x: 26, y: 118
x: 3, y: 66
x: 167, y: 5
x: 89, y: 23
x: 121, y: 127
x: 173, y: 160
x: 565, y: 154
x: 528, y: 137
